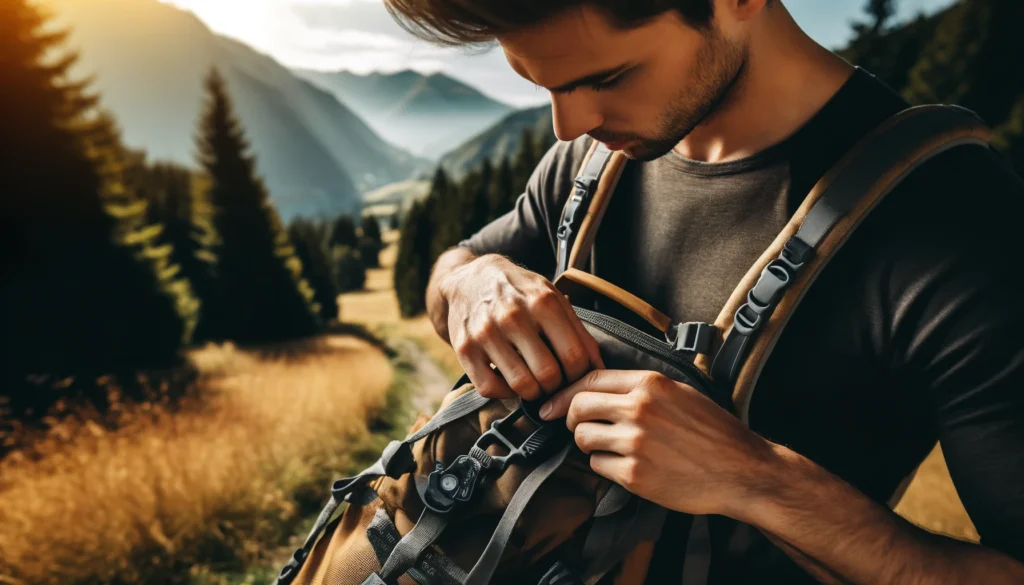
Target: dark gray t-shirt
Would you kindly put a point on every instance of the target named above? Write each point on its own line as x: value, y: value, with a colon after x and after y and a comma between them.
x: 910, y: 335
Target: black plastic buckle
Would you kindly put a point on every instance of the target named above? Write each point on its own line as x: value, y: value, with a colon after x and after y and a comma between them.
x: 583, y: 189
x: 457, y: 482
x: 445, y: 487
x: 694, y: 336
x: 796, y: 253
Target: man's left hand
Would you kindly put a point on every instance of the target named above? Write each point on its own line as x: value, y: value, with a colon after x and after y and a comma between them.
x: 662, y: 440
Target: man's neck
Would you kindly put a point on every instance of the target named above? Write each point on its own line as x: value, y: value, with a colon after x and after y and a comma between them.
x: 788, y: 79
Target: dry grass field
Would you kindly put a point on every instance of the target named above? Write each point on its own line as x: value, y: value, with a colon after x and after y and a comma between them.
x: 208, y: 486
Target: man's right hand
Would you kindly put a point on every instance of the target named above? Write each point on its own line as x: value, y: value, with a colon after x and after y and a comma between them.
x: 501, y: 313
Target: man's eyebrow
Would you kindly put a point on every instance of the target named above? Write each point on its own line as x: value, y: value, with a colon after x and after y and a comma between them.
x: 588, y: 79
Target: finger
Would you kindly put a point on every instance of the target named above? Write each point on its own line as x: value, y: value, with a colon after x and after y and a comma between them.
x: 597, y: 406
x: 524, y: 335
x: 477, y: 365
x: 617, y: 468
x: 609, y: 437
x: 572, y: 352
x: 593, y: 349
x: 513, y: 369
x: 606, y: 381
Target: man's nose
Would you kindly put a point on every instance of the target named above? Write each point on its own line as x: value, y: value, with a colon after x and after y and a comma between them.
x: 573, y: 116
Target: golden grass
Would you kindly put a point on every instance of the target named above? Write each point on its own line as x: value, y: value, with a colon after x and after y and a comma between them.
x: 217, y: 482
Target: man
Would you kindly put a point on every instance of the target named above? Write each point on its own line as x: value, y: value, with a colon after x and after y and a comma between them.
x: 909, y: 336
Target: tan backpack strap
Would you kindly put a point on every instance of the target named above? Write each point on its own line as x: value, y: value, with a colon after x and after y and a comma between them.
x: 766, y: 298
x: 583, y: 211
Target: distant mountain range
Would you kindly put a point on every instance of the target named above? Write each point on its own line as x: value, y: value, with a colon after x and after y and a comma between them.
x: 316, y: 155
x: 427, y: 114
x: 500, y: 140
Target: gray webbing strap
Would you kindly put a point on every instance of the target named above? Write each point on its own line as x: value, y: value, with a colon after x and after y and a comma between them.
x: 851, y: 184
x: 612, y: 537
x: 408, y: 550
x: 485, y: 566
x: 396, y: 461
x: 575, y: 209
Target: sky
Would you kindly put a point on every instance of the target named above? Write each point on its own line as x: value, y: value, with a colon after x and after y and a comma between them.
x: 360, y: 36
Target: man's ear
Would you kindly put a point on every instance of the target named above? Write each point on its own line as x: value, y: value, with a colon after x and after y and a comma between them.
x: 743, y: 10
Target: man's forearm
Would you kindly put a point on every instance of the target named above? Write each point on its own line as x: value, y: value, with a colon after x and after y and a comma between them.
x: 437, y: 305
x: 844, y: 537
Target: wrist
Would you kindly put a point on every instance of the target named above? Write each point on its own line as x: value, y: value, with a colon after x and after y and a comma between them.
x: 773, y: 475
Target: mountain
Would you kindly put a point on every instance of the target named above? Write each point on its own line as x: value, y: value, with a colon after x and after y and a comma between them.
x: 148, y: 58
x: 501, y: 139
x: 427, y: 114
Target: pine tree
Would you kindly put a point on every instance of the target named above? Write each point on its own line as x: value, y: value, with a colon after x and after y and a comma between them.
x: 526, y: 158
x: 312, y: 245
x: 504, y: 190
x: 371, y: 229
x: 86, y: 290
x: 344, y: 233
x: 178, y: 201
x: 966, y: 62
x: 396, y: 221
x: 408, y: 262
x: 879, y: 12
x: 370, y: 242
x: 262, y: 295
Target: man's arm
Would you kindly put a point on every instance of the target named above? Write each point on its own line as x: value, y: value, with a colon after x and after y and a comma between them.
x: 437, y: 305
x: 841, y: 536
x: 634, y: 422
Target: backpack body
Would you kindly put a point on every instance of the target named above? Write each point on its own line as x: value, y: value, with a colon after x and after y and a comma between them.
x: 484, y: 492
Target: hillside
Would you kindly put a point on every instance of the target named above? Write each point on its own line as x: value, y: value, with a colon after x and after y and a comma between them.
x: 426, y: 114
x: 500, y: 140
x: 148, y: 58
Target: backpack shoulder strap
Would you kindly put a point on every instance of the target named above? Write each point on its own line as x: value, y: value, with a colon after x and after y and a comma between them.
x: 765, y: 299
x: 596, y: 180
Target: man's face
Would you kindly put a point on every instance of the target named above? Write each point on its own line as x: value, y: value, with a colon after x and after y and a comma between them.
x: 669, y: 76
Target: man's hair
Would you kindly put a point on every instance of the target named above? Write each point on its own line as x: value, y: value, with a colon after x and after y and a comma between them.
x: 470, y: 22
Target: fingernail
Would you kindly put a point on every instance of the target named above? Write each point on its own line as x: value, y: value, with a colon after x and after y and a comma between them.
x: 546, y: 410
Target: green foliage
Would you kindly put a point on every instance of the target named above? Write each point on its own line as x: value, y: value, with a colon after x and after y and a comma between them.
x: 351, y: 271
x: 452, y: 212
x: 312, y: 245
x: 369, y: 252
x: 370, y: 229
x: 962, y: 55
x: 89, y: 288
x: 344, y: 232
x: 261, y: 293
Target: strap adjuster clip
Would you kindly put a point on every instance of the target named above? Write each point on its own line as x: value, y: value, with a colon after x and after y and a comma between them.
x: 694, y: 336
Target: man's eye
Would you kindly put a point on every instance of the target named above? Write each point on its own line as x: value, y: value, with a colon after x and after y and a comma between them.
x: 607, y: 84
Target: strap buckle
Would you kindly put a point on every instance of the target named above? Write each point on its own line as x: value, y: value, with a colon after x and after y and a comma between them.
x: 457, y: 482
x: 694, y: 336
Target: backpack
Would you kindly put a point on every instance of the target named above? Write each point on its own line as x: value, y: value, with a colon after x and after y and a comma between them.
x: 485, y: 492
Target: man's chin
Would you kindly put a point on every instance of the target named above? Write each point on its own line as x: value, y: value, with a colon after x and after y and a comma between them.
x: 646, y: 152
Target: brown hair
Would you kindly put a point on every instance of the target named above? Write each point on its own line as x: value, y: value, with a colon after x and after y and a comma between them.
x: 467, y: 22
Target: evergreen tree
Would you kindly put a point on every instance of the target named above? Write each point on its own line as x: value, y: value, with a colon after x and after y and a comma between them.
x: 344, y: 232
x: 409, y: 279
x: 370, y: 242
x: 879, y: 12
x: 87, y: 289
x: 505, y: 189
x: 179, y: 202
x: 396, y: 221
x: 371, y: 229
x: 262, y: 295
x: 970, y: 60
x: 351, y: 270
x: 526, y: 158
x: 312, y: 245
